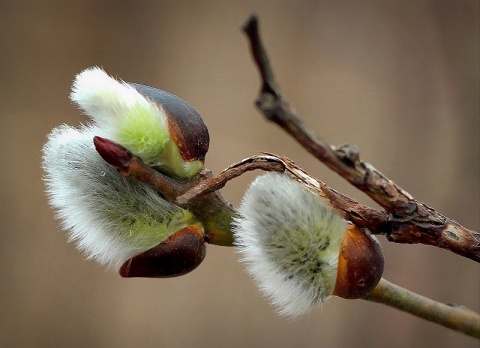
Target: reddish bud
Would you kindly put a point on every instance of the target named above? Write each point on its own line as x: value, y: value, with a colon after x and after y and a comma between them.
x: 112, y: 152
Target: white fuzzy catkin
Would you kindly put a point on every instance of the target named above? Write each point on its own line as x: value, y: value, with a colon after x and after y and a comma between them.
x: 110, y: 217
x: 124, y: 114
x: 289, y: 239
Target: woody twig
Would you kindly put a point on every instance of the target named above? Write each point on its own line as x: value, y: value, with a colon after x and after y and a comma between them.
x: 409, y: 221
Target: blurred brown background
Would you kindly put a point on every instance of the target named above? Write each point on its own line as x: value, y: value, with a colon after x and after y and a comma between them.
x: 399, y: 79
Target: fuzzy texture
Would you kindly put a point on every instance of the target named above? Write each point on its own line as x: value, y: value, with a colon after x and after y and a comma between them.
x: 124, y: 114
x: 290, y: 240
x: 110, y: 217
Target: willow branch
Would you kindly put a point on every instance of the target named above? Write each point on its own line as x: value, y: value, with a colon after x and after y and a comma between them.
x: 201, y: 195
x: 455, y: 317
x: 361, y: 215
x: 410, y: 221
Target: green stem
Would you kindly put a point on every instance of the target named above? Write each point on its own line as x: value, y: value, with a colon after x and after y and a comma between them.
x: 216, y: 215
x: 455, y: 317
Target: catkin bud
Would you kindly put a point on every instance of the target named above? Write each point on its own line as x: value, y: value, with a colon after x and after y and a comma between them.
x: 157, y: 126
x: 299, y: 249
x: 112, y: 219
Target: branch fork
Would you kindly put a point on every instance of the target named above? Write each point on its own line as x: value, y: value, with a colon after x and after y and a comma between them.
x: 409, y: 221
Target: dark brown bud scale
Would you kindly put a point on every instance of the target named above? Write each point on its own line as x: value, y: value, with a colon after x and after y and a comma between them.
x: 179, y: 254
x: 185, y: 124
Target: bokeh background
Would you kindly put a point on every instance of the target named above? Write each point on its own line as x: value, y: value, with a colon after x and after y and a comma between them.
x: 400, y: 79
